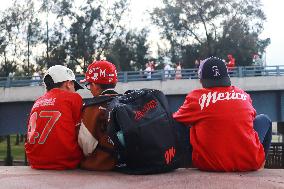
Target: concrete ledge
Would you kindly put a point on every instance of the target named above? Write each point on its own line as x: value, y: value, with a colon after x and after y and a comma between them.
x: 25, y: 177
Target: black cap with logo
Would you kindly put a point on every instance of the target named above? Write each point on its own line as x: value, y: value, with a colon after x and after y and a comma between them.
x: 213, y: 72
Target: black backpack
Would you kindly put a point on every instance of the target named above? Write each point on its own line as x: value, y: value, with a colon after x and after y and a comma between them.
x: 142, y: 128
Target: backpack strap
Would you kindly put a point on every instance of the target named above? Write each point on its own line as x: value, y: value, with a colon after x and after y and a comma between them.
x: 105, y: 149
x: 109, y: 92
x: 106, y: 96
x: 98, y: 100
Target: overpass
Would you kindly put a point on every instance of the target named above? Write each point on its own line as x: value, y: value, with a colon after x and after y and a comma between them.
x: 267, y: 93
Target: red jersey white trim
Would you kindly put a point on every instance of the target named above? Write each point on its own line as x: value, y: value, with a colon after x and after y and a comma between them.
x: 222, y: 134
x: 52, y: 131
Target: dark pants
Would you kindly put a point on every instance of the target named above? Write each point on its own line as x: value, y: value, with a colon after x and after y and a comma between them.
x: 263, y: 126
x: 185, y: 147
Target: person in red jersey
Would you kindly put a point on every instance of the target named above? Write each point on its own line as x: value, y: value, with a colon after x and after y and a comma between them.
x: 231, y: 63
x: 225, y: 134
x: 98, y: 148
x: 53, y: 123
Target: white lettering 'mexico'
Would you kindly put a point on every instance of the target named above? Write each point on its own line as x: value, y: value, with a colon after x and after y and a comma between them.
x: 206, y: 99
x: 212, y: 97
x: 233, y: 95
x: 220, y: 96
x: 202, y: 100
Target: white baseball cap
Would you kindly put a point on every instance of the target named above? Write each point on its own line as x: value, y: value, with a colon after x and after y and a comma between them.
x: 60, y: 73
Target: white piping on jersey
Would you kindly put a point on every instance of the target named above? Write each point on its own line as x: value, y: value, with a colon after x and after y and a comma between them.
x: 102, y: 108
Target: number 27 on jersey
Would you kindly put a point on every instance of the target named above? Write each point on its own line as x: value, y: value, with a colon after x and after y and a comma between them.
x: 33, y: 128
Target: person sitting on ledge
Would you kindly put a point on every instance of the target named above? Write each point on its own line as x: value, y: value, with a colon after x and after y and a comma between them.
x: 54, y: 123
x: 97, y: 146
x: 225, y: 134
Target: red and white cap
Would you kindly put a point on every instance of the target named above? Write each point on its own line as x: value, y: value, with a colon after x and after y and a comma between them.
x: 101, y: 72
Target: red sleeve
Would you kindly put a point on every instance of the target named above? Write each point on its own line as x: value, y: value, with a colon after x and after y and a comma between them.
x: 233, y: 63
x: 188, y: 112
x: 250, y: 101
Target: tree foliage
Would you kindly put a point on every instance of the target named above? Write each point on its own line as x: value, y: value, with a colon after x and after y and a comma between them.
x: 64, y: 33
x: 36, y: 34
x: 212, y: 28
x: 93, y: 27
x: 129, y: 52
x: 19, y: 30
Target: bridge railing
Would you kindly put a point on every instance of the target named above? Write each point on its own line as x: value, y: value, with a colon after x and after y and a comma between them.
x: 129, y: 76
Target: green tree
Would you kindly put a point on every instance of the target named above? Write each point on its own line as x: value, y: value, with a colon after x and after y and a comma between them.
x: 141, y: 49
x: 208, y: 25
x: 56, y: 32
x: 33, y: 35
x: 130, y: 52
x: 121, y: 55
x: 94, y: 29
x: 74, y: 36
x: 20, y: 31
x: 10, y: 24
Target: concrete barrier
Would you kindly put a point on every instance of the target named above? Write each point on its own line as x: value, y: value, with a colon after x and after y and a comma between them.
x: 169, y: 87
x: 24, y: 177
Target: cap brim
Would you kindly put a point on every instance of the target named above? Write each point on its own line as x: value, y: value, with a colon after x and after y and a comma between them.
x: 224, y: 82
x: 77, y: 86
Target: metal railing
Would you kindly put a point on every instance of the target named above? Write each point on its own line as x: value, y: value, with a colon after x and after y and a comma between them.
x: 129, y: 76
x: 275, y: 159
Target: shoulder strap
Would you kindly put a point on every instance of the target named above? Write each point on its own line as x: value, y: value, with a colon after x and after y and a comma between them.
x: 99, y: 100
x: 106, y: 149
x: 109, y: 92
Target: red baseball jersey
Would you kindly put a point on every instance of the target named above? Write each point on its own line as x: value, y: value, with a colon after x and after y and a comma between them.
x: 52, y: 131
x: 222, y: 134
x: 231, y: 64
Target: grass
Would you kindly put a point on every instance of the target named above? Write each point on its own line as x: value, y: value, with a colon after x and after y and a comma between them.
x: 18, y: 151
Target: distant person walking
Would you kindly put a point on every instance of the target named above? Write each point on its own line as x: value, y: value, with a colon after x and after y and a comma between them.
x: 178, y: 71
x: 257, y: 61
x: 258, y: 64
x: 148, y: 70
x: 231, y: 62
x: 167, y: 70
x: 196, y: 63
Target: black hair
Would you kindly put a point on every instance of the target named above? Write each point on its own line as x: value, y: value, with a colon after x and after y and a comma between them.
x: 49, y: 83
x: 107, y: 86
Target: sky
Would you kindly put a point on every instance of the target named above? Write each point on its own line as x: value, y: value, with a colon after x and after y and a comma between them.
x: 273, y: 27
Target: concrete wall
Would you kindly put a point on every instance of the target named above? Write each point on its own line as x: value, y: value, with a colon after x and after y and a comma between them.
x: 267, y: 94
x: 169, y: 87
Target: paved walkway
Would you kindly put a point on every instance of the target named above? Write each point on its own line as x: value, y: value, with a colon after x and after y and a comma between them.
x: 24, y: 178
